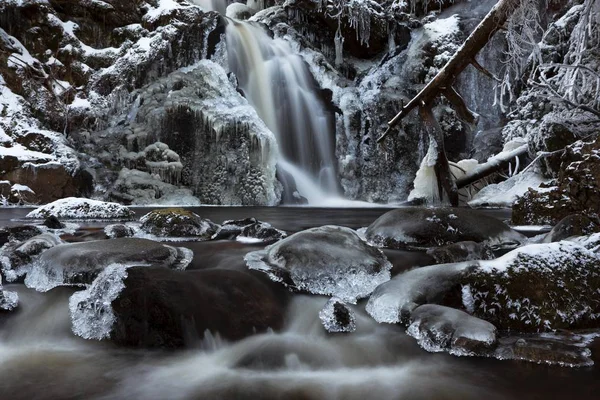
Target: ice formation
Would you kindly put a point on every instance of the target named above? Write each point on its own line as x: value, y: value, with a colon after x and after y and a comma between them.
x: 92, y: 315
x: 328, y: 260
x: 337, y: 317
x: 80, y: 208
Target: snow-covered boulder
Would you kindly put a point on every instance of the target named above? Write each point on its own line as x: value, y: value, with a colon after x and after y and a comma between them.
x: 539, y: 287
x: 337, y: 317
x: 428, y: 227
x: 328, y: 260
x: 505, y: 193
x: 115, y: 231
x: 157, y: 307
x: 438, y: 328
x: 570, y: 226
x: 80, y: 208
x: 78, y: 264
x: 177, y: 222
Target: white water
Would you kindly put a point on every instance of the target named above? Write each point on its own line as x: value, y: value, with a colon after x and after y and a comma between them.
x: 278, y: 84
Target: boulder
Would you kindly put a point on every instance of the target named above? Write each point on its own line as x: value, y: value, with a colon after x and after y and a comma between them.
x: 80, y: 208
x: 52, y: 222
x: 177, y: 222
x: 18, y: 233
x: 411, y: 227
x: 115, y: 231
x: 438, y: 328
x: 163, y: 308
x: 328, y: 260
x: 16, y: 255
x: 539, y: 287
x: 78, y: 264
x: 249, y: 230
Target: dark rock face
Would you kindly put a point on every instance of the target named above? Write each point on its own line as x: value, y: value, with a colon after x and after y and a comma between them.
x: 536, y: 288
x: 428, y: 227
x: 574, y: 191
x: 572, y: 225
x: 177, y: 222
x: 164, y: 308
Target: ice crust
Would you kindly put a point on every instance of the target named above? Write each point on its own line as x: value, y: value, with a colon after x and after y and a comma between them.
x: 337, y: 317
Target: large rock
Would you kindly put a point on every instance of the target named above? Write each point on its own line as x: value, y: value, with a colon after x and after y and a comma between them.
x: 164, y: 308
x: 78, y: 264
x: 80, y: 208
x: 572, y: 225
x: 538, y: 287
x: 177, y: 222
x: 429, y: 227
x: 329, y: 260
x: 16, y: 255
x: 461, y: 251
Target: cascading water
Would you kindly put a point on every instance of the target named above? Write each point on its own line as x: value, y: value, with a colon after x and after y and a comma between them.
x: 278, y: 84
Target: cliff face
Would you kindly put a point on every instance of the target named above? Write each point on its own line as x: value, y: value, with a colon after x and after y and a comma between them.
x: 114, y: 98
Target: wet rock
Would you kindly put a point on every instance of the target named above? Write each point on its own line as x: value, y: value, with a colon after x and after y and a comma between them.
x: 177, y: 222
x: 116, y: 231
x: 248, y: 230
x: 438, y: 328
x: 53, y: 223
x: 337, y: 317
x: 77, y: 264
x: 164, y: 308
x: 539, y: 287
x: 428, y: 227
x: 329, y: 260
x: 231, y: 229
x: 564, y: 349
x: 461, y: 251
x: 8, y: 300
x: 51, y: 181
x: 80, y: 208
x: 394, y: 301
x: 572, y: 225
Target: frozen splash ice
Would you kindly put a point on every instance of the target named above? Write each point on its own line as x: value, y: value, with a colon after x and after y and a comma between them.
x: 92, y: 316
x: 337, y: 317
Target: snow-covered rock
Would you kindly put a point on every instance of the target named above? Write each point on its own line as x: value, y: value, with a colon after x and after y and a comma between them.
x: 115, y: 231
x: 461, y: 251
x: 538, y: 287
x: 80, y: 208
x: 438, y: 328
x: 329, y: 260
x: 505, y: 193
x: 428, y: 227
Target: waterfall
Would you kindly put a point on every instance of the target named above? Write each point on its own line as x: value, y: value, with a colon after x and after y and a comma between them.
x: 279, y: 86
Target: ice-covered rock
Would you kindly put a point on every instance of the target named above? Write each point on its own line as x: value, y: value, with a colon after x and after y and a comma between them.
x: 18, y: 233
x: 16, y: 255
x: 394, y: 301
x: 337, y: 317
x: 427, y: 227
x: 538, y: 287
x: 328, y: 260
x: 177, y: 222
x: 504, y: 194
x: 439, y: 328
x: 80, y: 208
x: 461, y: 251
x: 78, y: 264
x: 8, y: 300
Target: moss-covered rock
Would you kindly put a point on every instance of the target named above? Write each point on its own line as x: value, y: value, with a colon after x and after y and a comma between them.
x: 177, y: 222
